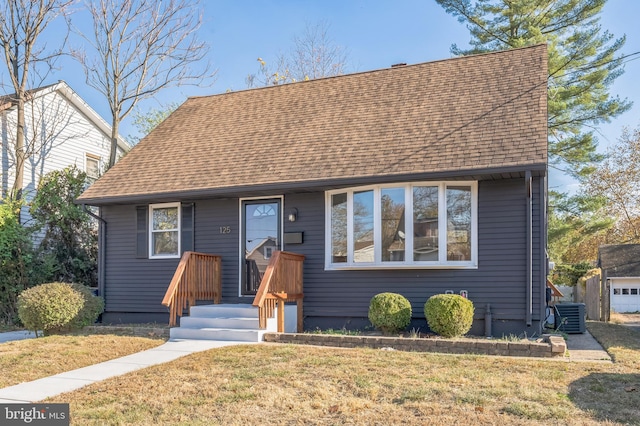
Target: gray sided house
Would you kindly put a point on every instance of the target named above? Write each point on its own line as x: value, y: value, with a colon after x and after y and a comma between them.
x: 620, y: 265
x: 416, y: 179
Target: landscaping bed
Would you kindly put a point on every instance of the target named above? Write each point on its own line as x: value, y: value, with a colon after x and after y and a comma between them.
x: 547, y: 346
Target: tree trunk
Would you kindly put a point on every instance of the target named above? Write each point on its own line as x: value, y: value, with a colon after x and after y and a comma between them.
x: 114, y: 142
x: 16, y: 192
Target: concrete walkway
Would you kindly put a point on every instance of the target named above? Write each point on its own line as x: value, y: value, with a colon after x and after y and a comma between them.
x: 582, y: 347
x: 16, y: 335
x: 40, y: 389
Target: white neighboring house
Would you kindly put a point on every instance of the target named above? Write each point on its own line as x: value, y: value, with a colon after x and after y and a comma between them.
x: 61, y: 130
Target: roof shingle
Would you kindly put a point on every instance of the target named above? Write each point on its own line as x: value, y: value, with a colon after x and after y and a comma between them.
x: 462, y: 114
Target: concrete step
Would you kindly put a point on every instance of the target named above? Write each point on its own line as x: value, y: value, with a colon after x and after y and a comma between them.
x: 224, y: 311
x: 219, y: 322
x: 216, y: 334
x: 223, y: 322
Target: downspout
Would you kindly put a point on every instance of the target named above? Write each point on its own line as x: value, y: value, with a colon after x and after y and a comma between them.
x: 529, y: 249
x: 544, y: 257
x: 102, y: 233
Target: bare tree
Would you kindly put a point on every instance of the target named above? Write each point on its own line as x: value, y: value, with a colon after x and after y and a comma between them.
x: 313, y: 55
x: 22, y: 22
x: 141, y: 47
x: 617, y: 180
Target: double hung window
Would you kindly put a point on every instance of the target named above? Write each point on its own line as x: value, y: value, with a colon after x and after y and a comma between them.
x: 92, y: 167
x: 164, y: 230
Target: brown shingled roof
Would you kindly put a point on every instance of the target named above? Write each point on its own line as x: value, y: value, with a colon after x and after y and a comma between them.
x: 458, y: 115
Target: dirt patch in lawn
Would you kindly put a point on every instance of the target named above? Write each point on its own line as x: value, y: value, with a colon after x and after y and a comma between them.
x: 633, y: 319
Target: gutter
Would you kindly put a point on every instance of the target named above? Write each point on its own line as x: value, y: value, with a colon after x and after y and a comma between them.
x: 102, y: 234
x: 268, y: 189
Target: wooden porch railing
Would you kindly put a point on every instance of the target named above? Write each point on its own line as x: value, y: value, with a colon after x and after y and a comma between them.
x: 281, y: 282
x: 197, y: 277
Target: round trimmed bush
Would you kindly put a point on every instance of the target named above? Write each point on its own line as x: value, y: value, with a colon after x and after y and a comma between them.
x: 92, y: 308
x: 389, y: 312
x: 49, y: 307
x: 449, y: 315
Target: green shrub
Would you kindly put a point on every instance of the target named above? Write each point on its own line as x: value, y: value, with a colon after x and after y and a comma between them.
x: 49, y: 307
x: 16, y: 260
x: 92, y: 308
x: 389, y: 312
x: 449, y: 315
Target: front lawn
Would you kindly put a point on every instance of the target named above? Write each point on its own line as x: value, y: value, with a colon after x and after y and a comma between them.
x: 286, y: 384
x: 27, y: 360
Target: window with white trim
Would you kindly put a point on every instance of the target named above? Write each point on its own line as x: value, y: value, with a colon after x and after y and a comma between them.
x: 407, y: 225
x: 164, y: 230
x: 92, y: 167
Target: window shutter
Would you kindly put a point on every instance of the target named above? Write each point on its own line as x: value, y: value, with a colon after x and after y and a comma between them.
x: 142, y: 249
x: 187, y: 232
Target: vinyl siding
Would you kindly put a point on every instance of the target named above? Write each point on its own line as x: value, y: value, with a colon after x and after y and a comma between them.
x: 68, y: 136
x: 138, y: 285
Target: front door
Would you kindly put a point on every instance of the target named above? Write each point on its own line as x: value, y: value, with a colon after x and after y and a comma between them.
x: 261, y: 236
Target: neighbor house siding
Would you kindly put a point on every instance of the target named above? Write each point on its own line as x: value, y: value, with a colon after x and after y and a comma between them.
x: 340, y: 298
x: 65, y: 136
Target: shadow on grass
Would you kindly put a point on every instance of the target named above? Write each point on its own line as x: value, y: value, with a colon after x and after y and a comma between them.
x: 608, y: 396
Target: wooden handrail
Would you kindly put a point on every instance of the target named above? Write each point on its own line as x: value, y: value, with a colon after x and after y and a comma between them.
x: 197, y: 277
x: 281, y: 282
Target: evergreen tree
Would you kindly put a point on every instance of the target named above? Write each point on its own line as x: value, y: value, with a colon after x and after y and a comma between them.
x: 576, y: 225
x: 70, y: 235
x: 583, y: 62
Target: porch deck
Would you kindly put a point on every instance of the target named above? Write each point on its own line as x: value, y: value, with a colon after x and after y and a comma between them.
x: 198, y: 277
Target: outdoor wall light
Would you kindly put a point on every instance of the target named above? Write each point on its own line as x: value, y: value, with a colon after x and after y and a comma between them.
x: 293, y: 214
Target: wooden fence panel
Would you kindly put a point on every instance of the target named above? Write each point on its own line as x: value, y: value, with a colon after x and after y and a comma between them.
x: 605, y: 303
x: 592, y: 298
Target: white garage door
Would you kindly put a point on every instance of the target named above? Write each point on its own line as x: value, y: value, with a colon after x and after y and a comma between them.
x: 625, y: 294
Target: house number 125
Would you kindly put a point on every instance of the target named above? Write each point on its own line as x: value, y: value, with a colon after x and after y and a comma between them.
x: 225, y: 229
